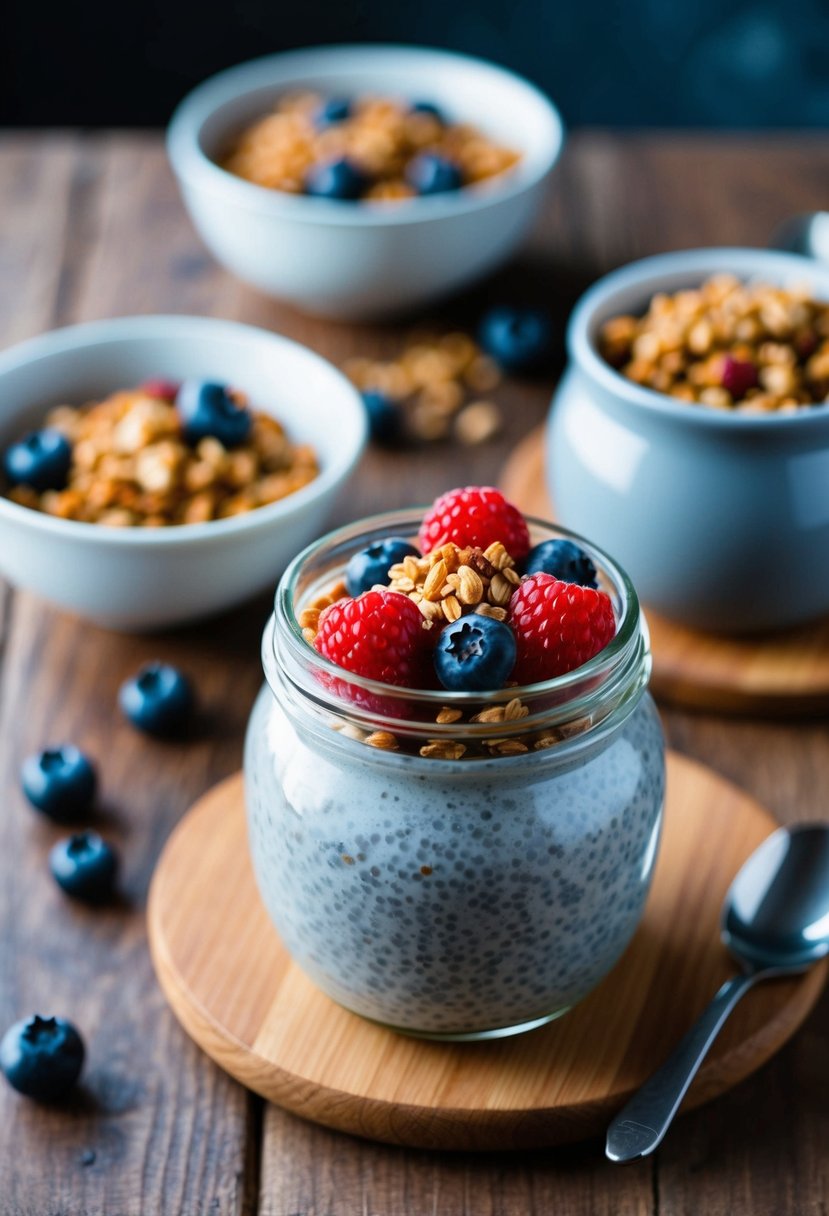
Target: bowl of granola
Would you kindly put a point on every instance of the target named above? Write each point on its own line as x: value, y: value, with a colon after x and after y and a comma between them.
x: 355, y: 180
x: 690, y: 434
x: 159, y: 469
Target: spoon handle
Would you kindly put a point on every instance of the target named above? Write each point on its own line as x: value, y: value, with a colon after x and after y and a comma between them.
x: 641, y: 1124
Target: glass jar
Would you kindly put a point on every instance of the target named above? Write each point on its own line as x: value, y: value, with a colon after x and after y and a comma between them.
x: 452, y: 898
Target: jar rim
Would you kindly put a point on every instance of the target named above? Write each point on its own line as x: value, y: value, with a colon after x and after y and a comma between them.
x: 625, y: 660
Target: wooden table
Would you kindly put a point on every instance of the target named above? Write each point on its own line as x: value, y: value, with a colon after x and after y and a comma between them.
x: 93, y: 227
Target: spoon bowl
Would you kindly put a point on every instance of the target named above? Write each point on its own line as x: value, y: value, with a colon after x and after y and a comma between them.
x: 776, y: 913
x: 775, y: 922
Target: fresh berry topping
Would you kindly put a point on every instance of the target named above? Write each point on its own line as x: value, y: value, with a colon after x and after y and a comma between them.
x: 519, y: 339
x: 337, y: 179
x: 40, y: 460
x: 475, y: 654
x: 42, y: 1057
x: 209, y: 411
x: 557, y: 626
x: 165, y: 390
x: 563, y: 560
x: 332, y: 111
x: 476, y: 516
x: 384, y: 418
x: 432, y: 174
x: 158, y: 700
x: 378, y: 635
x: 85, y: 866
x: 371, y: 566
x: 429, y: 108
x: 60, y: 782
x: 738, y: 376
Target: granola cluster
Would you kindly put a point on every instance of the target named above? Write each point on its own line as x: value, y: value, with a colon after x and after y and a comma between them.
x: 728, y: 344
x: 131, y: 467
x: 439, y: 383
x: 451, y: 581
x: 454, y: 749
x: 381, y: 135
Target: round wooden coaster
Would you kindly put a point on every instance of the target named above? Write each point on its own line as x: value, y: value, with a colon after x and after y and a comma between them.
x: 782, y: 675
x: 236, y: 991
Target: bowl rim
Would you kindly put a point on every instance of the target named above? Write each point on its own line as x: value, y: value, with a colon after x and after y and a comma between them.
x: 123, y: 329
x: 649, y: 273
x: 193, y: 166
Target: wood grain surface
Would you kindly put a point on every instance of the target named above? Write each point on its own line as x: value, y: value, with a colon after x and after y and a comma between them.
x: 92, y: 226
x: 782, y: 675
x: 237, y: 992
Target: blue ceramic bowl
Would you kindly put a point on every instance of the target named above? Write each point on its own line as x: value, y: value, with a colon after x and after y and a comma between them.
x: 721, y: 519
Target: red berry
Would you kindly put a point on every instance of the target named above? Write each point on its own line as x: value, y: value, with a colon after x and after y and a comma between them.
x: 166, y: 390
x: 558, y: 626
x: 378, y: 635
x: 476, y: 515
x: 738, y: 376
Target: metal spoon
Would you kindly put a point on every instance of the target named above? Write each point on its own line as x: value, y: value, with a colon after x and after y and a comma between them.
x: 775, y: 921
x: 807, y: 234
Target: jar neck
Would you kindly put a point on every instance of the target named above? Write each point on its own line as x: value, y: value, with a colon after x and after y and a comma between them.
x: 595, y: 698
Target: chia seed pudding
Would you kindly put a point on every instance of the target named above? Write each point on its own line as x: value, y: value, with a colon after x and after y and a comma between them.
x: 454, y: 898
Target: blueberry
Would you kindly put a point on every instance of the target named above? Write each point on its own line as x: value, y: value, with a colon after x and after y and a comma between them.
x: 42, y: 1057
x: 371, y: 565
x: 332, y: 111
x: 158, y: 700
x: 432, y: 174
x: 475, y: 654
x: 384, y: 418
x: 85, y: 866
x: 59, y: 781
x: 429, y: 107
x: 337, y: 179
x: 208, y: 411
x: 40, y: 460
x: 563, y: 560
x: 520, y: 339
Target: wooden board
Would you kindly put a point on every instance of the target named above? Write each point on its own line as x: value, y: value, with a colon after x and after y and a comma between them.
x: 781, y: 675
x: 236, y: 990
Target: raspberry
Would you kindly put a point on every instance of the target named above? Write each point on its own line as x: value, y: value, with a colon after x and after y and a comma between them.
x: 558, y: 626
x: 378, y: 635
x: 475, y: 516
x: 738, y: 376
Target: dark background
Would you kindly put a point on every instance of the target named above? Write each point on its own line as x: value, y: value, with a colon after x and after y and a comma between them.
x: 613, y: 62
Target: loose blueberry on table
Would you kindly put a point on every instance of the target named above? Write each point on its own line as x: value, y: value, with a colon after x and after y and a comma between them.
x: 519, y: 339
x: 208, y: 410
x: 337, y: 179
x: 385, y: 422
x: 42, y: 1057
x: 60, y: 782
x: 40, y: 460
x: 85, y: 867
x: 433, y: 174
x: 158, y: 700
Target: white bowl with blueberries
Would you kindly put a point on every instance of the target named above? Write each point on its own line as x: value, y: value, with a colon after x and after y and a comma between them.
x: 328, y: 251
x: 137, y: 578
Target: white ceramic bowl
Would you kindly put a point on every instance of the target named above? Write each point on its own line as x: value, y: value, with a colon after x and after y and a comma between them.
x: 352, y: 260
x: 721, y: 518
x: 144, y: 578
